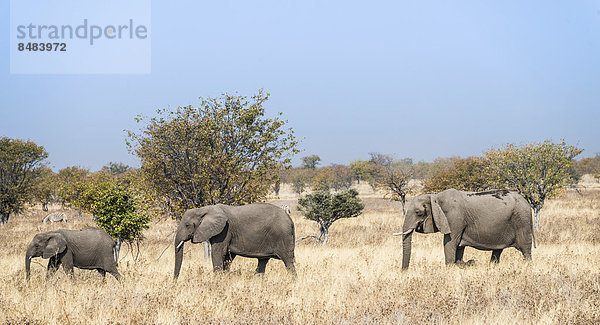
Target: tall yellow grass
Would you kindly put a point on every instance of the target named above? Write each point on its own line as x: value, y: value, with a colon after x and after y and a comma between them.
x: 355, y: 279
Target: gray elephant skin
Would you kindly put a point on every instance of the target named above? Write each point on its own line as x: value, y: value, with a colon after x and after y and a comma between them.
x: 259, y: 230
x: 89, y: 248
x: 491, y: 220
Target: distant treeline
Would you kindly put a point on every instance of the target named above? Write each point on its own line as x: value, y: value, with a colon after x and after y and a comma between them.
x: 454, y: 172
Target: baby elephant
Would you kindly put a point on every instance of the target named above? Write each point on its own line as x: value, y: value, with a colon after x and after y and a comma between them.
x: 89, y: 248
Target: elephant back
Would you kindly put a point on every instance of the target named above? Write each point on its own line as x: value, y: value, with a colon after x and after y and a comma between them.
x: 91, y: 248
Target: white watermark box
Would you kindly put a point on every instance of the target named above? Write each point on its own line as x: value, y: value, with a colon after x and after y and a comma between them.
x: 80, y: 37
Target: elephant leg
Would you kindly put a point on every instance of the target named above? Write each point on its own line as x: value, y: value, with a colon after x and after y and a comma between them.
x: 526, y: 252
x: 289, y: 265
x: 524, y: 242
x: 450, y: 247
x: 227, y: 261
x: 67, y: 263
x: 496, y: 256
x: 116, y: 274
x: 53, y: 265
x: 460, y: 251
x: 218, y: 256
x: 262, y: 264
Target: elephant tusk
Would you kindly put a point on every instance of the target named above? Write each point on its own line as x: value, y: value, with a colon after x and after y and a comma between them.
x: 30, y: 257
x: 403, y: 233
x: 180, y: 243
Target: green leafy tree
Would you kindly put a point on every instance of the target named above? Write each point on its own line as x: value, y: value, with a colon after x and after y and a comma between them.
x: 466, y: 174
x: 359, y: 169
x: 326, y: 208
x: 46, y: 187
x: 71, y: 186
x: 20, y: 163
x: 310, y: 162
x: 224, y: 151
x: 116, y: 168
x: 323, y: 179
x: 538, y: 171
x: 117, y: 211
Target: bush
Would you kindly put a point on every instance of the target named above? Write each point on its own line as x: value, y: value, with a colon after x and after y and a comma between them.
x: 326, y: 208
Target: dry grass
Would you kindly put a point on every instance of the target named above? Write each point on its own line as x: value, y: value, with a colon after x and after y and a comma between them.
x: 356, y: 279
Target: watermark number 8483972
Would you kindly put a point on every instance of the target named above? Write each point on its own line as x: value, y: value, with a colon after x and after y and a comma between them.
x: 42, y: 47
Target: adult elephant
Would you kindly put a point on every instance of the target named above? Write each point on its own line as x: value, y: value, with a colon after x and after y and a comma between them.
x: 89, y: 248
x: 491, y: 220
x: 257, y: 230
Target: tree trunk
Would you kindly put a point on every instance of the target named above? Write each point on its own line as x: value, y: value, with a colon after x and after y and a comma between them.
x: 207, y: 250
x: 324, y: 236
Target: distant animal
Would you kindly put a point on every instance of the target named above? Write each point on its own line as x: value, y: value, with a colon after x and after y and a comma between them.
x: 491, y: 220
x: 286, y: 208
x: 88, y: 248
x: 55, y: 217
x: 259, y: 230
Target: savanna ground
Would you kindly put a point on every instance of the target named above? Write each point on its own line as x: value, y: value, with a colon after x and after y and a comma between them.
x: 355, y: 279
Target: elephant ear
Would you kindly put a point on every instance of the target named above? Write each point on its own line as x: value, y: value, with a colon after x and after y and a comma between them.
x: 56, y: 245
x: 211, y: 225
x: 439, y: 217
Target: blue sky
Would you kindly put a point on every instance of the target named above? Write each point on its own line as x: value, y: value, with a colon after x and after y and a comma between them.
x: 420, y: 79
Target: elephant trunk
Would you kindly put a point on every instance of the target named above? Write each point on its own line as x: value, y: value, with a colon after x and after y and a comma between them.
x: 178, y: 255
x: 406, y: 246
x: 27, y: 264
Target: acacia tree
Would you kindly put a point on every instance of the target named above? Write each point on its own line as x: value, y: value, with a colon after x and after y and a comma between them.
x: 395, y: 180
x: 224, y: 151
x: 326, y: 208
x: 538, y: 171
x: 466, y: 174
x: 71, y: 186
x: 46, y: 187
x: 20, y: 163
x: 359, y: 169
x: 310, y: 162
